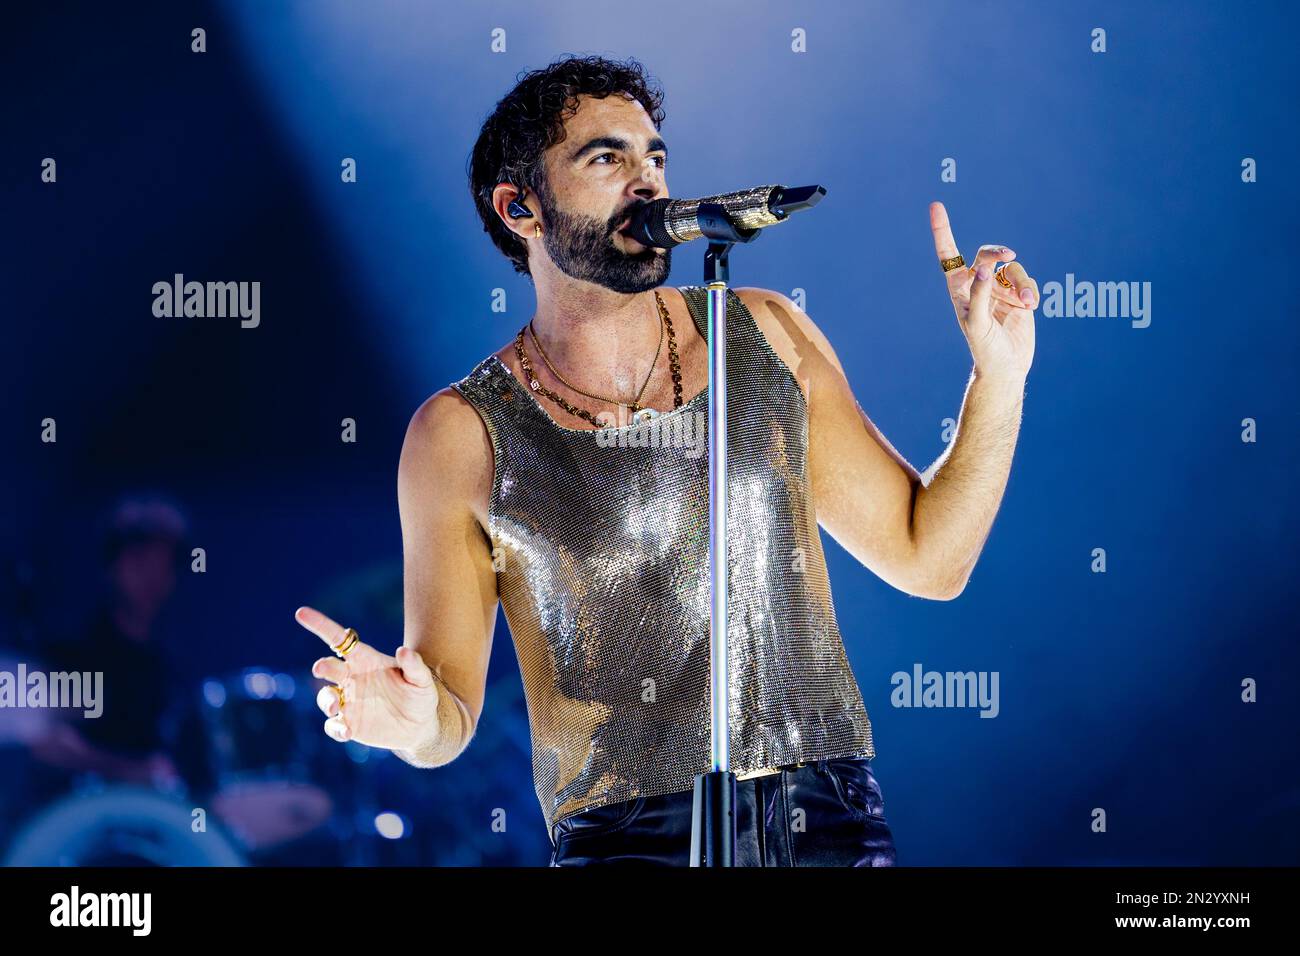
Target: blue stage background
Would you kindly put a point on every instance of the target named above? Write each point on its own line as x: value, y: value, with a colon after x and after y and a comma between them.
x: 1120, y: 690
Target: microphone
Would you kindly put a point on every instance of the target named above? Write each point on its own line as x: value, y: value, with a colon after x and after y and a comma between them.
x: 665, y: 223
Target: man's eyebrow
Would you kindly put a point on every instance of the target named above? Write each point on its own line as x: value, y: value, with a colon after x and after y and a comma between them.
x: 656, y: 144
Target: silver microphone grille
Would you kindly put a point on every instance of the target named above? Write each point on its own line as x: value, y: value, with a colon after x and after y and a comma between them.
x: 747, y: 208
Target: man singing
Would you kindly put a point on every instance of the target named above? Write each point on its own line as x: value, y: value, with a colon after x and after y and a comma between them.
x: 510, y: 489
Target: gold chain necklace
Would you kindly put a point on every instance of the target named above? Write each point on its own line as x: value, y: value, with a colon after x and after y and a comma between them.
x: 636, y: 402
x: 640, y: 414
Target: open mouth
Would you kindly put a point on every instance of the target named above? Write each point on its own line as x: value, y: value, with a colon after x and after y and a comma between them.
x: 627, y: 220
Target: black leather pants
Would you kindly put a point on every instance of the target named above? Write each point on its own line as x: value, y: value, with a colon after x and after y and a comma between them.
x: 823, y: 813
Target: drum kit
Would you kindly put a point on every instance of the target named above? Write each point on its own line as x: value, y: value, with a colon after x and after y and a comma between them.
x: 265, y: 788
x: 261, y: 784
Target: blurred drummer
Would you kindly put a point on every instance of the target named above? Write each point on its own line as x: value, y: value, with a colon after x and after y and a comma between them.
x: 142, y: 550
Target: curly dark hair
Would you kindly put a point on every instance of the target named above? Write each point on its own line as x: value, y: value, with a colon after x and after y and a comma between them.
x: 530, y: 118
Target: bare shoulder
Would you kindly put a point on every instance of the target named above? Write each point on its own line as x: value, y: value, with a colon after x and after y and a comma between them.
x: 447, y: 453
x: 792, y: 335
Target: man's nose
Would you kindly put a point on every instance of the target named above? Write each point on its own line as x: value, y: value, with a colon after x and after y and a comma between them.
x: 650, y: 184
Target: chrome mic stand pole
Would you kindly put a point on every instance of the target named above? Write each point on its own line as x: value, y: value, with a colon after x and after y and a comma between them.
x: 713, y: 818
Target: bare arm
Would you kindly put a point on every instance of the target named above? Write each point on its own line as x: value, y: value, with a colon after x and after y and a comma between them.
x: 449, y: 584
x: 954, y: 511
x: 919, y: 536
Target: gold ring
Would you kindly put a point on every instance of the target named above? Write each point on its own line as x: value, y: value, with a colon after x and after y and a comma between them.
x: 956, y: 262
x: 350, y: 640
x: 997, y: 274
x: 338, y: 690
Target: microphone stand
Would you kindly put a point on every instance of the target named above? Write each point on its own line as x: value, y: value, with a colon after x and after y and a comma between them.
x: 713, y: 808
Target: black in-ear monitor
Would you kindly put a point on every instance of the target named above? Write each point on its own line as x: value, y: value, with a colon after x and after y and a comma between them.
x: 517, y: 209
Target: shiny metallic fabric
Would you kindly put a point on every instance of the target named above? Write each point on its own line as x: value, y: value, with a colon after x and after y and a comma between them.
x: 601, y: 538
x: 746, y: 208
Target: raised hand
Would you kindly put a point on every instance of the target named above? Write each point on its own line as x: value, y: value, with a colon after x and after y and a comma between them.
x: 998, y: 322
x: 388, y: 701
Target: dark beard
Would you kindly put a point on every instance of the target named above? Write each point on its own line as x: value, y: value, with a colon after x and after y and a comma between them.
x: 583, y: 248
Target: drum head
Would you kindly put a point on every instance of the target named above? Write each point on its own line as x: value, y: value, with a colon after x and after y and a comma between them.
x: 121, y: 826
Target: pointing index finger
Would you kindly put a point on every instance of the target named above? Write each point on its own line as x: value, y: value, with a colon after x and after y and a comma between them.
x: 328, y: 630
x: 944, y: 244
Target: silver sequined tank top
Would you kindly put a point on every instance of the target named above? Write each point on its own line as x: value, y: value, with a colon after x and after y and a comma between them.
x: 601, y: 540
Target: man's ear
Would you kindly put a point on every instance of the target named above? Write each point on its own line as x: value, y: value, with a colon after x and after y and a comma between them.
x: 517, y: 209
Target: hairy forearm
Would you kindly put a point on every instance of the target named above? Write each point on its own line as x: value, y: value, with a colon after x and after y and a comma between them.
x: 954, y: 510
x: 449, y: 736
